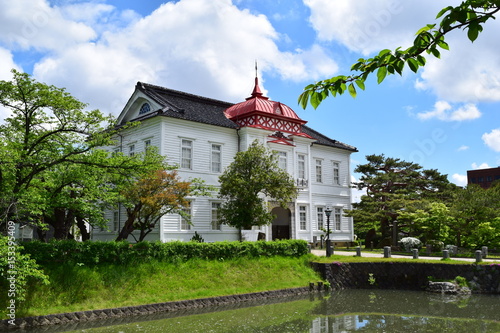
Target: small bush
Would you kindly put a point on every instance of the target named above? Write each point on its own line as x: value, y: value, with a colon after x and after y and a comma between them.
x: 409, y: 243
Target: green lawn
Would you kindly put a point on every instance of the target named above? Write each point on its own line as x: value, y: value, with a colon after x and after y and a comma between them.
x: 79, y: 288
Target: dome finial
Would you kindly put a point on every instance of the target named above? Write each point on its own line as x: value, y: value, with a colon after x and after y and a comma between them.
x: 256, y: 90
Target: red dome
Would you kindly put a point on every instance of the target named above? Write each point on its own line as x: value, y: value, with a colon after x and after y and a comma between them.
x: 259, y: 104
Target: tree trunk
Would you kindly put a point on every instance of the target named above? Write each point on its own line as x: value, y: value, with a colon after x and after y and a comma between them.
x: 83, y: 229
x: 128, y: 226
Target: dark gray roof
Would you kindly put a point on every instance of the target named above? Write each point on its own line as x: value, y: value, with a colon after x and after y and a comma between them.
x: 326, y: 141
x: 178, y: 104
x: 181, y: 105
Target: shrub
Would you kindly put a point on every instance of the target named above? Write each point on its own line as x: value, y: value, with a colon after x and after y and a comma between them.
x: 92, y: 253
x: 409, y: 243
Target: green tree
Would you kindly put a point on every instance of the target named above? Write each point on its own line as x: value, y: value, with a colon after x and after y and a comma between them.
x: 469, y: 16
x: 394, y: 186
x: 52, y: 170
x: 253, y: 176
x: 153, y: 195
x: 476, y: 213
x: 430, y: 223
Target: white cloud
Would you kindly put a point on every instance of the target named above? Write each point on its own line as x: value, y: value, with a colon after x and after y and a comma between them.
x: 463, y: 147
x: 198, y: 46
x: 366, y: 26
x: 35, y: 24
x: 444, y: 111
x: 460, y: 180
x: 6, y: 64
x: 492, y: 139
x: 475, y: 166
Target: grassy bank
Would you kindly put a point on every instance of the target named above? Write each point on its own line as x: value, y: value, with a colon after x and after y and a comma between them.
x: 76, y: 287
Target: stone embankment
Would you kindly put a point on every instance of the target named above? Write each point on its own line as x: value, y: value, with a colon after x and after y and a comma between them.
x: 408, y: 276
x: 64, y: 319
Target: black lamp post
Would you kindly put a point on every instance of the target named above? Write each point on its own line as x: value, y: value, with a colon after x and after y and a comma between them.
x: 328, y: 212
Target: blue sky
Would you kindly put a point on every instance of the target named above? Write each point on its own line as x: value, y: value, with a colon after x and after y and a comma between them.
x: 446, y: 117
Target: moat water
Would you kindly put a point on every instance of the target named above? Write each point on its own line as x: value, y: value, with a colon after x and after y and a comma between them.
x: 340, y: 311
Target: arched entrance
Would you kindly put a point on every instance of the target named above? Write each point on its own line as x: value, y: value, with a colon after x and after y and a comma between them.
x: 281, y: 226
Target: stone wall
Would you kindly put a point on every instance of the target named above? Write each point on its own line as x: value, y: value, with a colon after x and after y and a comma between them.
x: 408, y: 276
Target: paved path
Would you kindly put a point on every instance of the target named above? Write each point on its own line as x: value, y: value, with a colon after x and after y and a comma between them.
x: 322, y: 253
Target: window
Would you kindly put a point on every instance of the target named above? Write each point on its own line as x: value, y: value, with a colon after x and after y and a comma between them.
x: 302, y: 218
x: 216, y: 158
x: 319, y: 171
x: 145, y: 108
x: 215, y: 216
x: 116, y: 220
x: 336, y: 173
x: 281, y: 159
x: 321, y: 219
x: 187, y: 154
x: 131, y: 150
x: 337, y: 218
x: 147, y: 144
x: 185, y: 225
x: 301, y: 167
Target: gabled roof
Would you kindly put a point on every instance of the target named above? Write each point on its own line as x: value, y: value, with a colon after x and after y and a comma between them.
x: 178, y: 104
x: 182, y: 105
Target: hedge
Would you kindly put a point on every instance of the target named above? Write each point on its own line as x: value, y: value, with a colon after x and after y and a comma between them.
x: 95, y: 252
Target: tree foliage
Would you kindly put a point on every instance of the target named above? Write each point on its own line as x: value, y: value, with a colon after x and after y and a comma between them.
x: 253, y: 177
x: 393, y: 187
x: 476, y: 214
x: 153, y: 195
x: 52, y: 171
x: 469, y: 16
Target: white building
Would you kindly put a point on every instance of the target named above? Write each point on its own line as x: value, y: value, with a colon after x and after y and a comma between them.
x: 202, y: 135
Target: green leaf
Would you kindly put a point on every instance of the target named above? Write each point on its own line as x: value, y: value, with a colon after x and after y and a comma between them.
x: 381, y: 74
x: 444, y: 10
x: 413, y: 65
x: 315, y: 99
x: 361, y: 84
x: 435, y: 52
x: 442, y: 44
x: 303, y: 99
x: 474, y: 30
x: 426, y: 28
x: 421, y: 60
x: 352, y: 90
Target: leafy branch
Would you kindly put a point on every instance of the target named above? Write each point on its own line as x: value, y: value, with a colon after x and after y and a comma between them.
x: 470, y: 15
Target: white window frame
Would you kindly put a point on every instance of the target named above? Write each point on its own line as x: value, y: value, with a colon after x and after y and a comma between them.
x: 336, y: 172
x: 337, y: 218
x: 319, y: 170
x: 131, y: 149
x: 215, y: 216
x: 302, y: 218
x: 320, y: 214
x: 147, y: 143
x: 187, y: 154
x: 184, y: 225
x: 301, y: 166
x: 216, y: 158
x: 282, y: 159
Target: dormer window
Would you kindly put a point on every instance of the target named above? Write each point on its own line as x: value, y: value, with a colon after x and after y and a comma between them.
x: 145, y: 108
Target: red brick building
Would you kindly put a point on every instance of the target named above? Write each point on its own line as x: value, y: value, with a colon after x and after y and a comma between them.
x: 483, y: 177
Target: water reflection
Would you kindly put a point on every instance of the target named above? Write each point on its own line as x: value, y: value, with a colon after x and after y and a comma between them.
x: 346, y: 311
